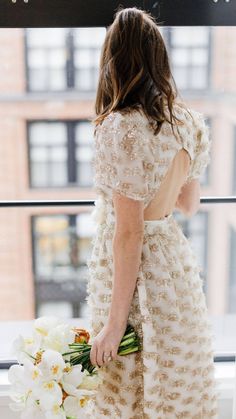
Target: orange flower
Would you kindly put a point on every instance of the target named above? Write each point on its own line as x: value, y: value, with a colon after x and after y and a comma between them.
x: 82, y: 335
x: 64, y: 393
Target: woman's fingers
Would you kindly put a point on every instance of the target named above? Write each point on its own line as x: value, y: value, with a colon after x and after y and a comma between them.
x: 97, y: 355
x: 100, y: 357
x: 93, y: 355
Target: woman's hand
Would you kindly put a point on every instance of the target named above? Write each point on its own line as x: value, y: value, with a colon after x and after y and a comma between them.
x: 106, y: 342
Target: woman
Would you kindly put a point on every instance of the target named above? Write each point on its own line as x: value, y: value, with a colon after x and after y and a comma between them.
x: 149, y: 154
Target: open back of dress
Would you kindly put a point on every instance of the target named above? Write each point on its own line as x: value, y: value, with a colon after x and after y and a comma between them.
x: 164, y: 201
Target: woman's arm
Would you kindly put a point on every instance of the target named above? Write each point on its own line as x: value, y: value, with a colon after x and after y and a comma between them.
x: 188, y: 200
x: 127, y: 248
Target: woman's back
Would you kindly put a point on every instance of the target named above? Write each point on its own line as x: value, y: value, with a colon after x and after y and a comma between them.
x: 130, y: 158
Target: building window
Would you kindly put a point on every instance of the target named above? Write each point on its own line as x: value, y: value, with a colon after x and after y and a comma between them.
x: 60, y: 153
x: 232, y: 272
x: 196, y: 230
x: 86, y: 49
x: 189, y: 49
x: 61, y: 247
x: 60, y: 59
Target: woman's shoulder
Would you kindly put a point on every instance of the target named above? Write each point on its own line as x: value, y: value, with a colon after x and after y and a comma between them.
x: 189, y: 115
x: 124, y: 118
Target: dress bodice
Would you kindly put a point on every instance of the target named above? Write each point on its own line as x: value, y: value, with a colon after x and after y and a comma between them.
x: 131, y: 159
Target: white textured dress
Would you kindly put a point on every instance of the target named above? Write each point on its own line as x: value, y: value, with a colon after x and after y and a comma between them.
x: 173, y: 376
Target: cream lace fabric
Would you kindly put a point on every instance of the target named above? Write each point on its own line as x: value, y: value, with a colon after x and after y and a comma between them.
x: 173, y: 376
x: 131, y: 160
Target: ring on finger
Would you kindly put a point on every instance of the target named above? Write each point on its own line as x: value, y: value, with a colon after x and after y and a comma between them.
x: 108, y: 356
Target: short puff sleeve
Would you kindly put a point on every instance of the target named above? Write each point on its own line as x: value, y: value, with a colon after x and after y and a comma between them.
x: 202, y: 147
x: 125, y: 162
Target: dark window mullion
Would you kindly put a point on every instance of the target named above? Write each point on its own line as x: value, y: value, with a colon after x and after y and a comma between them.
x: 70, y: 70
x: 71, y: 160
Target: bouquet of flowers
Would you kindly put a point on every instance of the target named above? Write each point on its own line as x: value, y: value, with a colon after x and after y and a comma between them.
x: 54, y: 377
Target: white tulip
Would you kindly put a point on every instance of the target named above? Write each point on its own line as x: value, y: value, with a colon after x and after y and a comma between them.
x: 23, y: 380
x: 52, y: 365
x: 25, y: 348
x: 27, y: 404
x: 49, y: 394
x: 55, y: 413
x: 75, y: 406
x: 16, y: 376
x: 33, y: 412
x: 72, y: 379
x: 32, y: 374
x: 43, y: 325
x: 59, y: 338
x: 19, y: 401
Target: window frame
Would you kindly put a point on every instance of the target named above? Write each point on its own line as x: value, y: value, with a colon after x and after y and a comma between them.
x: 190, y: 67
x: 35, y: 14
x: 70, y: 68
x: 71, y: 156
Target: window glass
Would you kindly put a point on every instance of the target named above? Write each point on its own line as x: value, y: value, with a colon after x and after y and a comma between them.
x: 47, y: 92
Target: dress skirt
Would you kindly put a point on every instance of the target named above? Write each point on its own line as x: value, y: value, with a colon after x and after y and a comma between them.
x: 173, y: 376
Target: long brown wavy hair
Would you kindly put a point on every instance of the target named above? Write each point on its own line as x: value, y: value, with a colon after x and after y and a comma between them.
x: 134, y: 70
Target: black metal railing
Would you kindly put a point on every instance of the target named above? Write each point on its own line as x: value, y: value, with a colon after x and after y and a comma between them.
x: 83, y: 202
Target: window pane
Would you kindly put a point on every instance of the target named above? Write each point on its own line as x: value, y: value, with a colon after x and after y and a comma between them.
x: 37, y: 79
x: 37, y: 58
x: 47, y: 37
x: 46, y: 53
x: 181, y: 57
x: 40, y: 174
x: 55, y: 308
x: 84, y: 79
x: 199, y: 57
x: 55, y: 55
x: 57, y: 80
x: 84, y: 173
x: 48, y: 133
x: 84, y: 58
x: 62, y: 246
x: 181, y: 77
x: 84, y: 133
x: 189, y: 50
x: 198, y: 78
x: 189, y: 36
x: 87, y: 37
x: 48, y: 146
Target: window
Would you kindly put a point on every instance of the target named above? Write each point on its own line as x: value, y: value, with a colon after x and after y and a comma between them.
x: 86, y: 50
x: 60, y: 153
x: 190, y: 56
x: 47, y: 59
x: 61, y: 246
x: 55, y: 157
x: 60, y: 59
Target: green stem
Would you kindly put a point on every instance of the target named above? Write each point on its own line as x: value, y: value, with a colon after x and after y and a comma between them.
x: 129, y: 335
x: 127, y: 342
x: 128, y: 350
